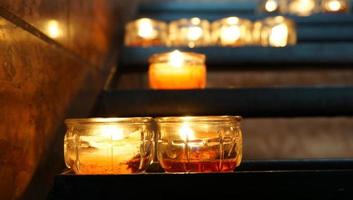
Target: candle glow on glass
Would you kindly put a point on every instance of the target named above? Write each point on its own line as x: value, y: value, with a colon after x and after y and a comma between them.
x: 177, y: 70
x: 145, y: 29
x: 279, y: 36
x: 186, y: 133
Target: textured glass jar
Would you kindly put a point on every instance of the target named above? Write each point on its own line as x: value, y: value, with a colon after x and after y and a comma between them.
x: 335, y: 6
x: 189, y: 32
x: 108, y: 145
x: 177, y: 70
x: 199, y: 144
x: 275, y: 31
x: 232, y: 31
x: 146, y: 32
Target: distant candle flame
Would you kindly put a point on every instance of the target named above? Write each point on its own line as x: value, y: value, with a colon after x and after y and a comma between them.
x: 194, y: 33
x: 334, y: 5
x: 145, y: 29
x: 230, y: 34
x: 114, y: 132
x: 279, y: 36
x: 271, y: 5
x: 53, y: 29
x: 302, y: 7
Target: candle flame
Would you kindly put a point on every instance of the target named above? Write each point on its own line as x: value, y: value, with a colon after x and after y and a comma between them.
x: 279, y: 35
x: 145, y: 29
x: 186, y: 133
x: 271, y: 5
x: 194, y: 33
x: 230, y: 34
x: 53, y: 29
x: 176, y: 59
x: 302, y: 7
x: 114, y: 132
x: 334, y: 5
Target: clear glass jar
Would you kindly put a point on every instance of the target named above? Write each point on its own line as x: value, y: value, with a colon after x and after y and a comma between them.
x: 232, y: 31
x: 189, y: 32
x: 275, y: 31
x: 146, y: 32
x: 335, y: 6
x: 108, y: 145
x: 199, y: 144
x: 177, y: 70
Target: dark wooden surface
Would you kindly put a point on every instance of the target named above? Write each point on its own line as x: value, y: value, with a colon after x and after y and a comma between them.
x: 323, y: 183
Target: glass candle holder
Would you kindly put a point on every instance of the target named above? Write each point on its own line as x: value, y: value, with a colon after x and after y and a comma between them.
x: 108, y: 145
x: 199, y: 144
x: 302, y: 7
x: 275, y: 31
x: 334, y: 6
x: 177, y: 70
x: 232, y: 31
x: 271, y: 6
x: 189, y: 32
x: 146, y: 32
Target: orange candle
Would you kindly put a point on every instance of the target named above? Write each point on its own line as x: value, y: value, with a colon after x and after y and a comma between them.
x: 177, y: 70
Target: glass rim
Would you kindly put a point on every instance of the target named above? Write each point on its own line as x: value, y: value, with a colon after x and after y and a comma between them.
x: 188, y: 56
x: 108, y: 120
x: 208, y: 119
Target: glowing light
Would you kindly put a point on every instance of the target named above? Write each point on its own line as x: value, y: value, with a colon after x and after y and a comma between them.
x: 279, y: 36
x: 230, y: 34
x: 271, y: 5
x: 302, y: 7
x: 114, y: 132
x: 232, y: 20
x: 176, y: 59
x: 334, y: 5
x: 194, y: 33
x: 53, y: 29
x: 186, y: 133
x: 145, y: 29
x: 195, y: 21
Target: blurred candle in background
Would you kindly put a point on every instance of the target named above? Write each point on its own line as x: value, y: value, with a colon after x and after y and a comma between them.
x: 232, y: 31
x: 270, y: 6
x: 189, y: 32
x: 177, y: 70
x: 335, y: 6
x: 302, y: 7
x: 275, y: 31
x: 145, y: 32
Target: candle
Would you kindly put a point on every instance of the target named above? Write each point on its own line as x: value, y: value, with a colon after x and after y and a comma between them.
x: 232, y: 31
x: 177, y: 70
x: 199, y: 144
x: 275, y: 32
x: 303, y: 7
x: 270, y: 6
x: 108, y: 146
x: 335, y: 6
x: 145, y: 32
x: 189, y: 32
x: 53, y: 29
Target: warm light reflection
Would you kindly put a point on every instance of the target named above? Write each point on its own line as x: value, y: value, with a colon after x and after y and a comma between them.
x: 53, y: 29
x: 279, y: 35
x: 271, y: 5
x: 145, y: 29
x: 114, y: 132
